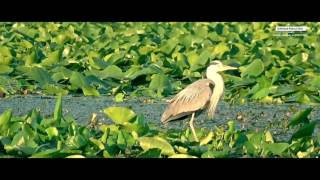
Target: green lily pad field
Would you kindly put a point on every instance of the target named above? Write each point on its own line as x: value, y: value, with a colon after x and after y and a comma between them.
x: 154, y: 61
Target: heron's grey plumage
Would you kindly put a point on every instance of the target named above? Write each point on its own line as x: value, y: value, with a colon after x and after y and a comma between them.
x: 195, y: 96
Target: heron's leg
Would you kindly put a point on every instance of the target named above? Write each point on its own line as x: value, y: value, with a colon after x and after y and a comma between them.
x: 192, y: 128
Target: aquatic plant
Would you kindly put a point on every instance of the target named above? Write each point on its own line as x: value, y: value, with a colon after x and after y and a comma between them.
x: 158, y: 59
x: 59, y: 136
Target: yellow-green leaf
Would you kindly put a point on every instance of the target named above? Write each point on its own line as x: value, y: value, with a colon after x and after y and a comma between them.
x: 207, y: 139
x: 220, y: 49
x: 254, y: 69
x: 75, y: 156
x: 98, y: 143
x: 52, y: 132
x: 119, y: 115
x: 182, y: 156
x: 156, y: 142
x: 4, y: 69
x: 269, y: 137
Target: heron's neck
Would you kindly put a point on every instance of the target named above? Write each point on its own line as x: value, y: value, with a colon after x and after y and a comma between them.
x: 217, y: 92
x: 218, y: 82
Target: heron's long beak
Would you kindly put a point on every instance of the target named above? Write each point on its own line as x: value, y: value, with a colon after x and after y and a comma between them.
x: 225, y: 68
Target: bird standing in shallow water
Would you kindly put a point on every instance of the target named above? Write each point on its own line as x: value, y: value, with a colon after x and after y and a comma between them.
x: 200, y: 95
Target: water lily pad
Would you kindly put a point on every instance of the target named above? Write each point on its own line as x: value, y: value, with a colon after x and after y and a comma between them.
x: 40, y: 75
x: 207, y: 139
x: 220, y: 49
x: 53, y: 58
x: 156, y: 142
x: 161, y: 83
x: 300, y: 117
x: 214, y: 154
x: 168, y: 46
x: 4, y: 69
x: 119, y: 97
x: 5, y: 55
x: 151, y: 153
x: 305, y: 131
x: 4, y: 120
x: 77, y: 80
x: 182, y: 156
x: 52, y: 132
x: 254, y: 69
x: 111, y: 71
x: 277, y: 148
x: 98, y: 143
x: 119, y: 115
x: 76, y: 156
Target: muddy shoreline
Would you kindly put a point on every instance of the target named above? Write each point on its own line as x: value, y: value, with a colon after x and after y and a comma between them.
x: 255, y: 116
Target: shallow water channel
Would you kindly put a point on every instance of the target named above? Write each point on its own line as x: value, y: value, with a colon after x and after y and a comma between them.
x: 255, y: 116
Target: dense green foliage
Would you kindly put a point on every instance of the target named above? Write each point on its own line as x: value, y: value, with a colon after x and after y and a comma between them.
x: 154, y: 60
x: 130, y: 136
x: 158, y: 59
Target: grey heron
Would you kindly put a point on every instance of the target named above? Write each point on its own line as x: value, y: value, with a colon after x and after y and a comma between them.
x: 198, y: 96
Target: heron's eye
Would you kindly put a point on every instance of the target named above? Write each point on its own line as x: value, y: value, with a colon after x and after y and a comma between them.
x: 214, y: 63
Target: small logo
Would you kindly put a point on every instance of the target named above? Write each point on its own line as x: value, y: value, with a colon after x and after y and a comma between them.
x: 291, y: 28
x: 291, y: 31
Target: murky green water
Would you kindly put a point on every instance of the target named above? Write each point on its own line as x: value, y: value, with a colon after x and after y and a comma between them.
x: 255, y: 116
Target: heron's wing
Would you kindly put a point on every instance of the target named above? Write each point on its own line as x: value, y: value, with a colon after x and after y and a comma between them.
x: 194, y: 97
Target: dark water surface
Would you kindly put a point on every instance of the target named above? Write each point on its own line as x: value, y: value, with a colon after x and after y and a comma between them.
x: 255, y: 116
